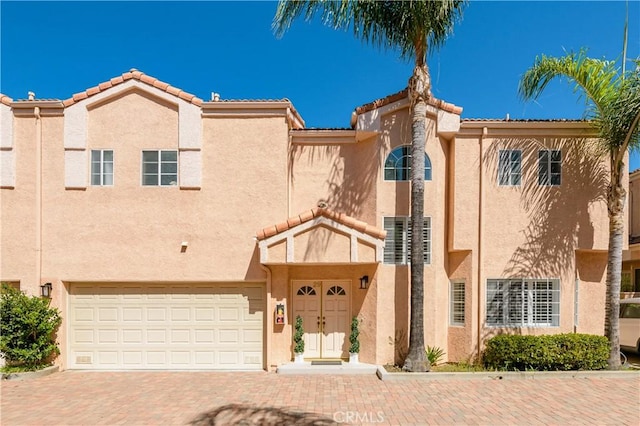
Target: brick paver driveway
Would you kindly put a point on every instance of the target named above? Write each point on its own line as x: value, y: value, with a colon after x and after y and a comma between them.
x: 161, y: 398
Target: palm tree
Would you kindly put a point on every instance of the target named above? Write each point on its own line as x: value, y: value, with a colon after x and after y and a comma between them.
x: 613, y: 97
x: 413, y: 27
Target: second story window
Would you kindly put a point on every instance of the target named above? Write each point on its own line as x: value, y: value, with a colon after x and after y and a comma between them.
x: 101, y: 167
x: 398, y: 164
x: 160, y: 168
x: 510, y: 167
x: 549, y: 167
x: 397, y: 248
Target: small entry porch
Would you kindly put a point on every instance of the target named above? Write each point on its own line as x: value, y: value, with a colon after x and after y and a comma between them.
x: 322, y: 267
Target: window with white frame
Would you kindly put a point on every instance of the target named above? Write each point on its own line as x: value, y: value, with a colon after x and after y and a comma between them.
x: 456, y: 306
x: 101, y: 167
x: 398, y: 164
x: 523, y: 302
x: 397, y: 247
x: 549, y: 167
x: 509, y: 167
x: 160, y: 168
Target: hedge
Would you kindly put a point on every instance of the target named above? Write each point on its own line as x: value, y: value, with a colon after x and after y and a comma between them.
x: 27, y: 329
x: 558, y: 352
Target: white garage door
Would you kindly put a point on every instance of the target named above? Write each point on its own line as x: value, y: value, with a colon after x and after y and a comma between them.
x: 166, y: 326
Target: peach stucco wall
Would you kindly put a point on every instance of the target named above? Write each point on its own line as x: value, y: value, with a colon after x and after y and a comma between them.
x: 255, y: 173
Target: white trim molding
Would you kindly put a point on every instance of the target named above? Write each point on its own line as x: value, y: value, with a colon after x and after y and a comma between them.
x: 189, y: 134
x: 354, y: 235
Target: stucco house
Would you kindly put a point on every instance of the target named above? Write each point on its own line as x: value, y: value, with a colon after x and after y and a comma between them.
x: 172, y: 229
x: 631, y: 257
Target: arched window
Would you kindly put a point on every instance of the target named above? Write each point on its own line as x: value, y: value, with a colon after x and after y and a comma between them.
x: 306, y: 291
x: 398, y: 164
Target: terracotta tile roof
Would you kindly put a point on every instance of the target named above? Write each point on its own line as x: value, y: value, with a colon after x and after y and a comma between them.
x: 253, y: 100
x: 39, y: 100
x: 529, y: 120
x: 321, y: 128
x: 403, y: 94
x: 136, y: 75
x: 317, y: 212
x: 5, y: 99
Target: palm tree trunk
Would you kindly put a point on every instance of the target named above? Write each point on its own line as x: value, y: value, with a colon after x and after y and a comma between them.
x: 419, y: 91
x: 615, y: 201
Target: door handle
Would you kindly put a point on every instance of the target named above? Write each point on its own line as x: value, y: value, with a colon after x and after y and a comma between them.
x: 318, y: 321
x: 323, y: 322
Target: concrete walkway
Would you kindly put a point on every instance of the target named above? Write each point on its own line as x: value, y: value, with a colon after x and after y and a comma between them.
x: 165, y: 398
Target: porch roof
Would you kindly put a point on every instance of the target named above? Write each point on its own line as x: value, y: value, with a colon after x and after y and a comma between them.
x: 344, y: 239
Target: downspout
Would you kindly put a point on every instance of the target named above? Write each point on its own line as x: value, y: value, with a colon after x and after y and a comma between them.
x: 480, y: 207
x: 268, y: 319
x: 36, y: 112
x: 289, y: 170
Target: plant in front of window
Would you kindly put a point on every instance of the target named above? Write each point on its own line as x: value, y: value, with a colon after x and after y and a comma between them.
x: 354, y: 348
x: 298, y: 340
x: 27, y: 331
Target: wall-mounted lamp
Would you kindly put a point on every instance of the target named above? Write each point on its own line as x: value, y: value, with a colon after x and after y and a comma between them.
x: 45, y: 290
x: 183, y: 246
x: 364, y: 281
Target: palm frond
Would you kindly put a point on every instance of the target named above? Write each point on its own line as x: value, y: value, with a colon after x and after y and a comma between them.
x: 411, y: 26
x: 598, y: 80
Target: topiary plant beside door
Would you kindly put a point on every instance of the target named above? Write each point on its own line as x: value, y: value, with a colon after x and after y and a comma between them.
x: 354, y: 348
x: 298, y: 341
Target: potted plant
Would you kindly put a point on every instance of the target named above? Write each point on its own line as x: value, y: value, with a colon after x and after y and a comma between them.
x: 354, y: 348
x: 298, y: 340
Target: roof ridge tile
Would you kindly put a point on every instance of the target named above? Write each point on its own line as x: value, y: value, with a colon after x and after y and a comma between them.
x: 315, y: 212
x: 394, y: 97
x: 135, y: 75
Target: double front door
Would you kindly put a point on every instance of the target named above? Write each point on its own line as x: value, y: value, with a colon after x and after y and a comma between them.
x: 324, y: 308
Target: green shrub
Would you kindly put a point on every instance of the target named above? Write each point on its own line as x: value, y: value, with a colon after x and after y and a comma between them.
x: 434, y: 354
x: 27, y: 327
x: 558, y: 352
x: 298, y: 336
x: 353, y: 337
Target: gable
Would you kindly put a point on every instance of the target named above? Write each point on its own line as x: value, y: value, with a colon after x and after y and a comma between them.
x: 320, y: 236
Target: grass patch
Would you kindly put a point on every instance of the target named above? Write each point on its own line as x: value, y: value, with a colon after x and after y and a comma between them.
x: 449, y: 367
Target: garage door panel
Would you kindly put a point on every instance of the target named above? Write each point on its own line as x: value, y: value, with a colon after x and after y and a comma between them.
x: 252, y: 336
x: 157, y: 336
x: 205, y: 314
x: 107, y: 336
x: 132, y: 358
x: 132, y: 336
x: 156, y: 358
x: 108, y: 358
x: 180, y: 314
x: 204, y: 336
x: 199, y: 326
x: 107, y: 314
x: 131, y: 314
x: 180, y: 336
x: 80, y: 336
x: 82, y: 314
x: 156, y: 314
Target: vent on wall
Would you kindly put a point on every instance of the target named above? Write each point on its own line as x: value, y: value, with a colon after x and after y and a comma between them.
x: 83, y: 359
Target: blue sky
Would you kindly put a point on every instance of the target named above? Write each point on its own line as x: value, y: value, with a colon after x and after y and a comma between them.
x: 57, y: 49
